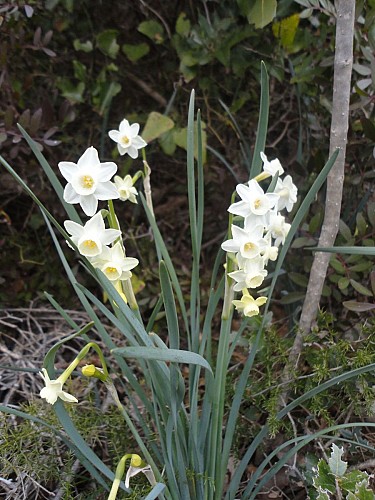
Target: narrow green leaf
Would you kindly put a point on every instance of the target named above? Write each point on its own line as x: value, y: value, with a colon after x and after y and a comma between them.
x: 155, y: 492
x: 34, y: 198
x: 260, y: 143
x: 159, y: 242
x: 169, y: 306
x: 70, y: 210
x: 167, y: 355
x: 49, y: 360
x: 346, y: 250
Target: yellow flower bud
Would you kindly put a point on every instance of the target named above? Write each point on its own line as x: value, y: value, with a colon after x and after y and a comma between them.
x: 136, y: 461
x: 88, y: 370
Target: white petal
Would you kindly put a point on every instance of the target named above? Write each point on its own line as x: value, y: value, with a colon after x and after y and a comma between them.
x: 109, y: 236
x: 114, y: 135
x: 129, y: 263
x: 121, y: 149
x: 70, y: 194
x: 89, y: 204
x: 239, y: 208
x: 95, y: 224
x: 73, y: 228
x: 67, y: 169
x: 132, y: 152
x: 124, y: 127
x: 48, y: 395
x: 106, y: 191
x: 106, y: 171
x: 134, y: 129
x: 117, y: 252
x: 65, y: 396
x: 230, y: 246
x: 244, y: 192
x: 89, y: 158
x: 132, y: 471
x: 138, y: 142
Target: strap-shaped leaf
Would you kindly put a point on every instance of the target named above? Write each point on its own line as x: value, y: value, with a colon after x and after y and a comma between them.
x: 167, y: 355
x: 70, y: 210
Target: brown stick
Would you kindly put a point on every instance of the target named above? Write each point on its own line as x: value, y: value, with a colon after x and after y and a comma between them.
x: 338, y: 138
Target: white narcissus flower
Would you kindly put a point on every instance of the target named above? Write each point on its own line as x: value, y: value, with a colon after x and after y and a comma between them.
x: 92, y: 237
x: 88, y: 181
x: 271, y: 167
x: 248, y: 305
x: 113, y: 263
x: 54, y: 390
x: 277, y: 228
x: 127, y: 138
x: 248, y: 243
x: 125, y: 188
x: 287, y: 192
x: 269, y: 252
x: 255, y: 203
x: 250, y: 275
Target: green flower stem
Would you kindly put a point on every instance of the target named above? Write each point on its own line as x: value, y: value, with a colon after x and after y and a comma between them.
x: 126, y: 285
x: 112, y: 390
x: 120, y: 469
x: 137, y: 175
x: 73, y: 365
x: 113, y: 222
x: 221, y: 371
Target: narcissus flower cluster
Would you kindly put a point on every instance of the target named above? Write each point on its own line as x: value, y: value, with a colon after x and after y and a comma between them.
x: 88, y: 183
x: 263, y: 229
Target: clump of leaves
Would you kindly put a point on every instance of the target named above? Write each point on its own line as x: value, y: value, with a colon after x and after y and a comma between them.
x: 332, y: 478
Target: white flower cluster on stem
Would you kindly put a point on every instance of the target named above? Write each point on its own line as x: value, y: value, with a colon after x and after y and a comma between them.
x: 264, y: 230
x: 88, y: 182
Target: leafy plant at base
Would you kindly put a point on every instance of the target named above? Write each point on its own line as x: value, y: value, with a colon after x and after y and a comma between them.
x: 333, y: 478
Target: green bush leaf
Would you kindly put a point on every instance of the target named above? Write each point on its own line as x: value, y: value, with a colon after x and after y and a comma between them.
x: 343, y: 283
x: 324, y: 477
x: 344, y: 230
x: 361, y: 224
x: 337, y: 265
x: 293, y: 297
x: 360, y: 288
x: 358, y: 307
x: 153, y: 30
x: 168, y: 355
x: 350, y: 480
x: 262, y: 13
x: 156, y: 125
x: 286, y: 29
x: 183, y: 25
x: 336, y: 464
x: 83, y: 46
x: 299, y: 279
x: 107, y: 43
x: 135, y: 52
